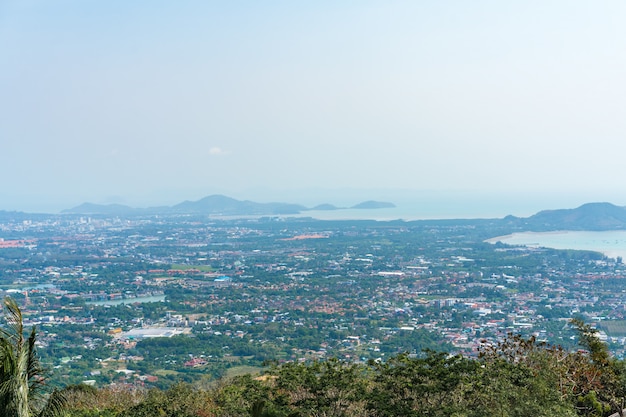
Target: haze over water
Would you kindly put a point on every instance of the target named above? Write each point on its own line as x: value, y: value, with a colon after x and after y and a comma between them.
x: 433, y: 205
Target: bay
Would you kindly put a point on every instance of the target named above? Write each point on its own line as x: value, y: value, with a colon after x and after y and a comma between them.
x: 611, y: 243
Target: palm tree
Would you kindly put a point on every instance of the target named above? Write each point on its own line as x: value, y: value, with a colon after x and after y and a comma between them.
x: 22, y: 379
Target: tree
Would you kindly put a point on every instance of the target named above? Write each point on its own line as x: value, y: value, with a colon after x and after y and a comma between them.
x: 22, y: 392
x: 435, y: 385
x: 329, y: 387
x: 181, y: 400
x: 589, y: 379
x: 609, y: 372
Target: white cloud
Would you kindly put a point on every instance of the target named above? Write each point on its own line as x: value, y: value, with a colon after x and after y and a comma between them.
x: 216, y: 150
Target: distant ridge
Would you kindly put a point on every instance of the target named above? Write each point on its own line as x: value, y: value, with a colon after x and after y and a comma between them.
x: 90, y: 208
x: 217, y: 204
x: 590, y: 216
x: 222, y: 205
x: 325, y: 207
x: 373, y: 205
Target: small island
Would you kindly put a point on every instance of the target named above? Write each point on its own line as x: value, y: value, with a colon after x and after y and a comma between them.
x: 325, y: 207
x: 217, y: 205
x: 373, y: 205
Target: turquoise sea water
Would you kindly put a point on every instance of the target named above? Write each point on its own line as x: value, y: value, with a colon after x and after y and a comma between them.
x: 611, y: 243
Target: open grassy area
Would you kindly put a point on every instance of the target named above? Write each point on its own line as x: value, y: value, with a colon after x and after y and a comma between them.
x: 614, y: 328
x: 181, y: 267
x: 164, y: 372
x: 242, y: 370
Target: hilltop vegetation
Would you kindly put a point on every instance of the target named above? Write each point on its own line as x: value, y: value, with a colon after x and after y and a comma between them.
x: 515, y: 377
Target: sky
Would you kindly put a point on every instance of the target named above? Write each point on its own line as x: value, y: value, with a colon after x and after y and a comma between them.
x: 155, y: 102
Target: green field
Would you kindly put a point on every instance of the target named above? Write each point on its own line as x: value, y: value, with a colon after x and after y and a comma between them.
x: 242, y: 370
x: 614, y: 328
x: 164, y: 372
x: 202, y: 268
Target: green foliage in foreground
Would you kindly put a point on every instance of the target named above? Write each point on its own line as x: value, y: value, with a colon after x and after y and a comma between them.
x: 21, y: 374
x: 516, y: 377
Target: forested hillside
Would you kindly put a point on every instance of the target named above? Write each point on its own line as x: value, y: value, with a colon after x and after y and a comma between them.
x: 515, y: 377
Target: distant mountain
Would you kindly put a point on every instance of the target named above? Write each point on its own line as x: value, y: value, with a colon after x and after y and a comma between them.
x: 211, y: 205
x: 111, y: 209
x: 373, y: 205
x: 222, y: 205
x: 326, y: 207
x: 218, y: 205
x: 591, y: 216
x: 20, y: 216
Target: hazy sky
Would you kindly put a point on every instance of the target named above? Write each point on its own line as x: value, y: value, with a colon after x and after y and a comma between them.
x: 147, y: 102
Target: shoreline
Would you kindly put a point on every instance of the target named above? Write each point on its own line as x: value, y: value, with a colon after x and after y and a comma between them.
x: 611, y: 244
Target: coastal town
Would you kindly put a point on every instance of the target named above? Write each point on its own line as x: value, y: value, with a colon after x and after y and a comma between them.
x: 152, y: 299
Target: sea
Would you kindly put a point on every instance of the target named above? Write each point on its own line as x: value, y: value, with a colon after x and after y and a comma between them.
x: 421, y: 211
x: 611, y: 243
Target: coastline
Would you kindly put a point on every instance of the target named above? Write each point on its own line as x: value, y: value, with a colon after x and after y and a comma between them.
x: 611, y: 244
